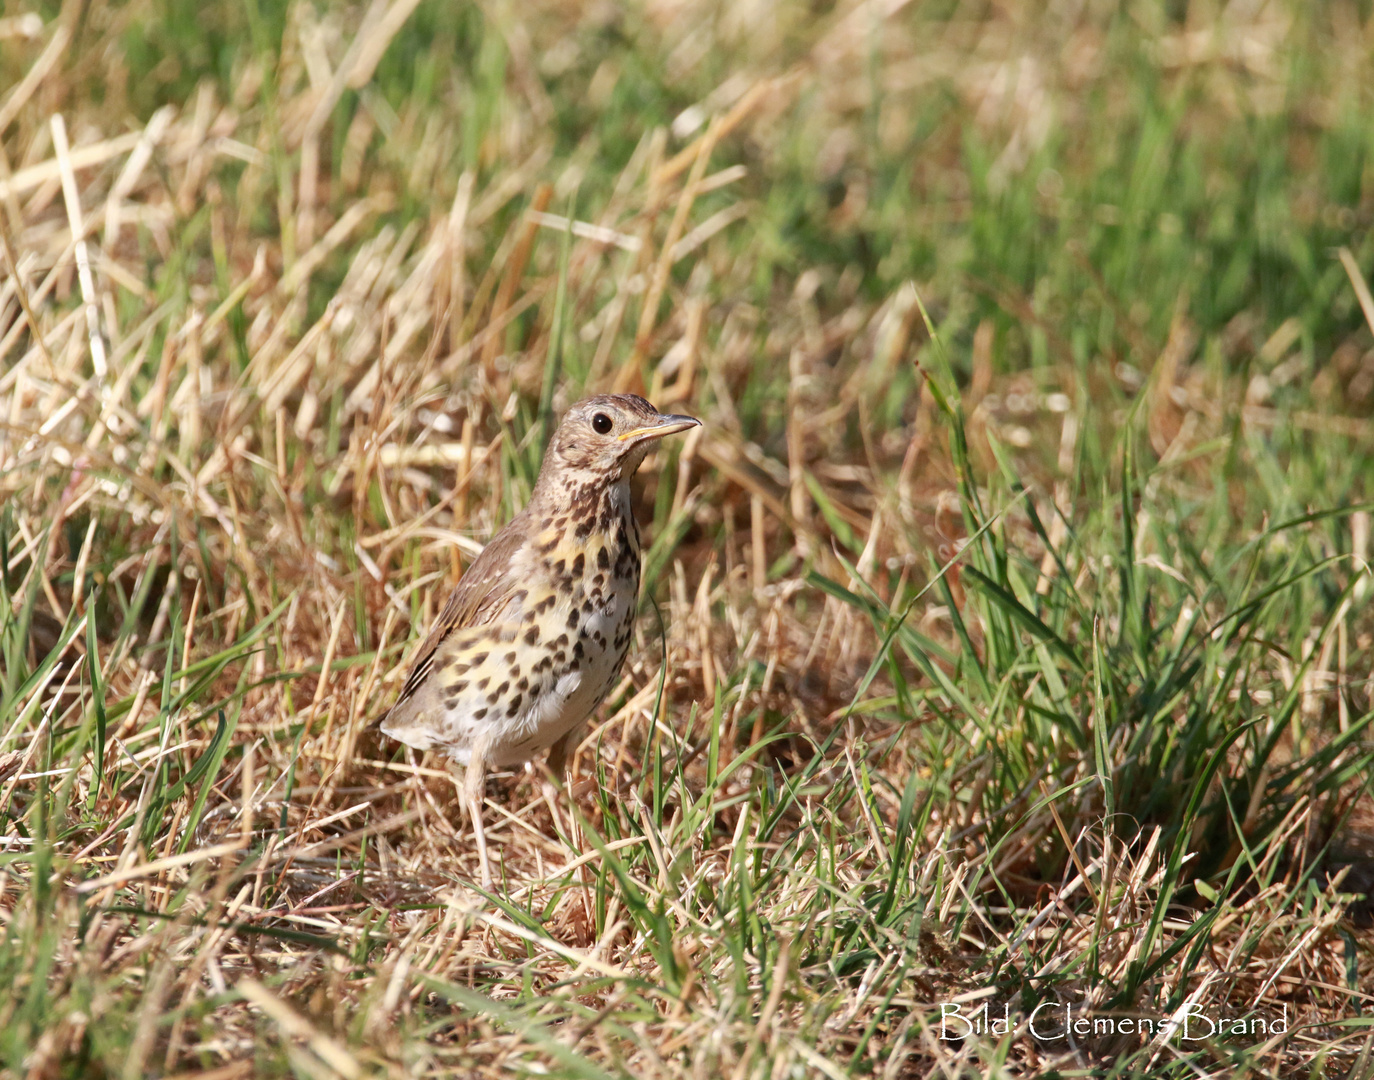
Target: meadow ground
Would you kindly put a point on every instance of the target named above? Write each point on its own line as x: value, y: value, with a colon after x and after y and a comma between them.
x: 1005, y: 638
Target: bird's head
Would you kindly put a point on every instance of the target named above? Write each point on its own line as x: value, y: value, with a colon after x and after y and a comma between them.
x: 606, y: 438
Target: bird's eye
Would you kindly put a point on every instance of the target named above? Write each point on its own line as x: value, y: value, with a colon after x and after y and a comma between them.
x: 601, y: 424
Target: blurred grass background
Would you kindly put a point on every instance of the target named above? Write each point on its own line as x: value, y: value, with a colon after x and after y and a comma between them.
x: 1005, y: 632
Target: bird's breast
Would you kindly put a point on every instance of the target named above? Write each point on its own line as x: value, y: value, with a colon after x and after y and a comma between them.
x: 520, y: 684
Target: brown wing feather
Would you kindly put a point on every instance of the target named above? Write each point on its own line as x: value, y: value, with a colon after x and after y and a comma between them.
x: 480, y: 596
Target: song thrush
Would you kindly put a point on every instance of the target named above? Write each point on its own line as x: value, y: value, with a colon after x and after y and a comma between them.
x: 533, y: 637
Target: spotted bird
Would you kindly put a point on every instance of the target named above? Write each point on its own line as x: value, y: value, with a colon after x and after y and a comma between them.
x: 533, y: 637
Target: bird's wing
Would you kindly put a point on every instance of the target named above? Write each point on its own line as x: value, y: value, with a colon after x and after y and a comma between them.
x: 479, y: 597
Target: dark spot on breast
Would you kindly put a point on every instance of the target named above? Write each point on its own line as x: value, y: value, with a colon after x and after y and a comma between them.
x: 574, y: 617
x: 514, y: 706
x: 510, y: 658
x: 480, y: 714
x: 579, y: 564
x: 531, y: 635
x: 458, y: 687
x: 626, y: 556
x: 480, y: 658
x: 587, y: 606
x: 523, y: 684
x: 603, y: 558
x: 559, y: 566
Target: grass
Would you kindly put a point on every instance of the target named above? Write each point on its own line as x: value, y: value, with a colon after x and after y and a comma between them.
x: 1005, y: 638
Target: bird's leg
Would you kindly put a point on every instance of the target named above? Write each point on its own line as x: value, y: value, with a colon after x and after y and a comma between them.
x: 474, y: 793
x: 561, y: 755
x: 559, y: 770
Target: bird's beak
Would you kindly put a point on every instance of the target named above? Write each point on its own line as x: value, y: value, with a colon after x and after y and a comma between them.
x: 664, y: 424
